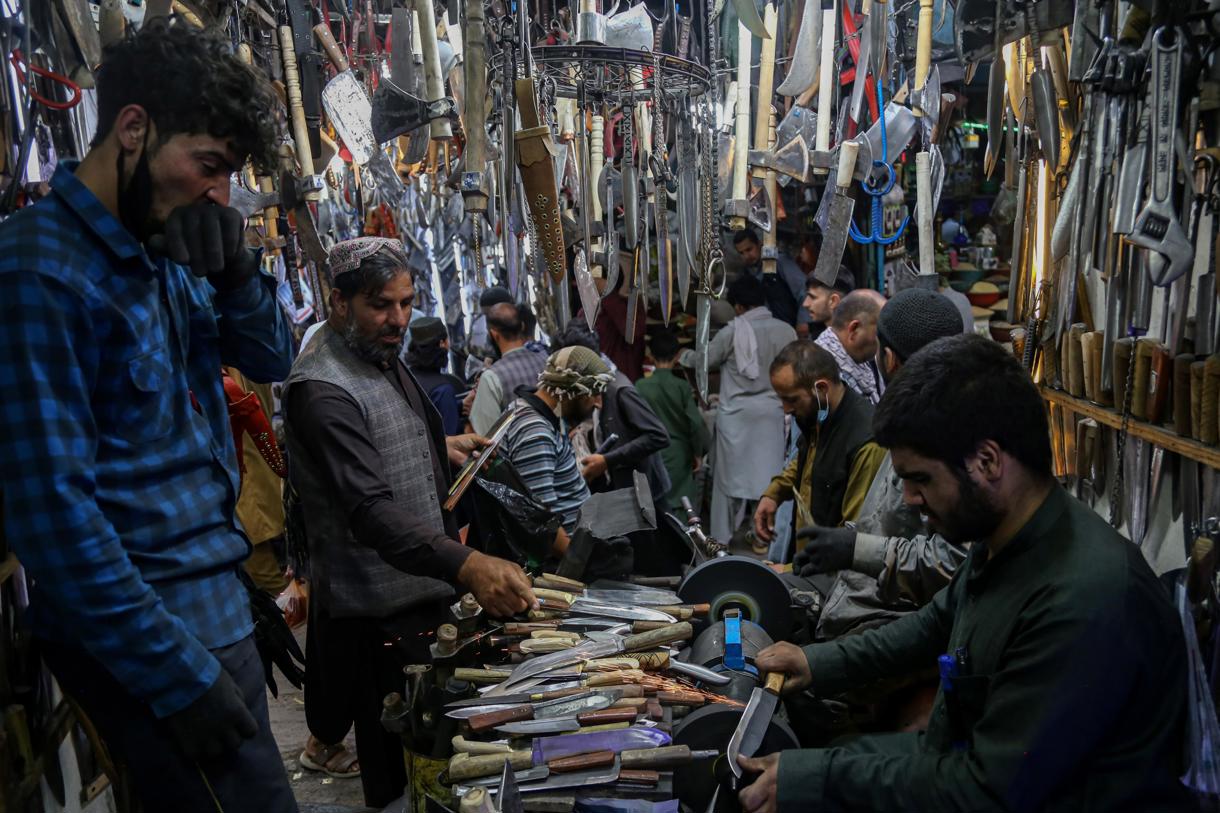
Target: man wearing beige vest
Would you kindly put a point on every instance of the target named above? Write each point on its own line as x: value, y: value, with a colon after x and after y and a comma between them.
x: 370, y: 461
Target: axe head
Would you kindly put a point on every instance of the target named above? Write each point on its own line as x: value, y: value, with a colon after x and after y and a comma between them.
x: 396, y: 112
x: 760, y: 204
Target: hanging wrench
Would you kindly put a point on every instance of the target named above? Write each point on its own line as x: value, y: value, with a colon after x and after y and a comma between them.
x: 1157, y: 227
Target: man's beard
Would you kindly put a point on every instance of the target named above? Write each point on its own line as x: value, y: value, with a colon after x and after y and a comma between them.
x: 371, y: 348
x: 135, y: 199
x: 973, y: 518
x: 808, y: 424
x: 574, y: 412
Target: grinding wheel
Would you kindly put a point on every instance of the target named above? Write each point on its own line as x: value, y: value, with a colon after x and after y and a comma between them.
x: 710, y: 728
x: 747, y: 584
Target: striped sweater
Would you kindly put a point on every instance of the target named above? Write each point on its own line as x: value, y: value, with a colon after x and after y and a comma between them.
x: 537, y: 444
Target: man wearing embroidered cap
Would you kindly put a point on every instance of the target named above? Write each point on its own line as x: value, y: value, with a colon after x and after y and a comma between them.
x: 369, y: 458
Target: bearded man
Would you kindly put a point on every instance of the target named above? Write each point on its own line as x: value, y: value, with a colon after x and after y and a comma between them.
x: 1062, y: 660
x: 369, y: 458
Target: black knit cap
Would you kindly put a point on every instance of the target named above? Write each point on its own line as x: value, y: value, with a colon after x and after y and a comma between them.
x: 917, y: 317
x: 494, y: 296
x: 427, y: 329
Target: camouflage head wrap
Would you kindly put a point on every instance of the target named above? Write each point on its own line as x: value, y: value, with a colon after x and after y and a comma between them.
x: 573, y: 372
x: 347, y: 255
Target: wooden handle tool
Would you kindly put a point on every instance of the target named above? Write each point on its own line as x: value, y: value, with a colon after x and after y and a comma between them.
x: 1088, y: 341
x: 332, y: 49
x: 681, y: 631
x: 468, y: 766
x: 1076, y: 360
x: 1209, y: 408
x: 1181, y: 394
x: 581, y: 762
x: 477, y: 800
x: 1160, y: 382
x: 489, y: 720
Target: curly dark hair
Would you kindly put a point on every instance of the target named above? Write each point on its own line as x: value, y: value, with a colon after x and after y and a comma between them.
x: 188, y: 80
x: 956, y: 393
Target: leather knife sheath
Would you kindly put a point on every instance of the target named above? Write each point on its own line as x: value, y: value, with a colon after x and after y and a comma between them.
x: 536, y: 149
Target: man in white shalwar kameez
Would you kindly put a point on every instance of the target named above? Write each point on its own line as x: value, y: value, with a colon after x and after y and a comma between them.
x: 749, y: 420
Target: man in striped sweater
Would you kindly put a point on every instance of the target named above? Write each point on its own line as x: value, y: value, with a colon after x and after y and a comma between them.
x: 570, y: 387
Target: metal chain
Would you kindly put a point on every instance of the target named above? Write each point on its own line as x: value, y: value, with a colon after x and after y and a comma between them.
x: 658, y: 122
x: 711, y: 170
x: 476, y: 245
x: 1117, y: 488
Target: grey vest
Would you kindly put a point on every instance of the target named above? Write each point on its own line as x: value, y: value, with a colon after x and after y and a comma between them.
x: 349, y: 578
x: 519, y: 368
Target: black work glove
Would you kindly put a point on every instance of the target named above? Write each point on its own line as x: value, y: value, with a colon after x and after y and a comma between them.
x: 211, y: 240
x: 215, y: 724
x: 828, y: 550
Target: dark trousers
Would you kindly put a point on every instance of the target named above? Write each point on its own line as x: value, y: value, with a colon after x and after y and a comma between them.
x: 251, y: 778
x: 351, y: 664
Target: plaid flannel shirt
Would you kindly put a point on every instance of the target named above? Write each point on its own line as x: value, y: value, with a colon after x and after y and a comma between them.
x: 118, y: 492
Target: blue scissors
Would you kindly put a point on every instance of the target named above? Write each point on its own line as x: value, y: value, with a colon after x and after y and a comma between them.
x: 877, y: 191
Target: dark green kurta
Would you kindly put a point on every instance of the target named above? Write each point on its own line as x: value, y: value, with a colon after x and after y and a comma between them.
x: 672, y: 400
x: 1074, y: 694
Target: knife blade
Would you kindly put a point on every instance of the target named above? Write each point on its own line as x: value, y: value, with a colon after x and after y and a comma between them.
x: 562, y: 725
x: 510, y: 795
x: 754, y: 721
x: 589, y: 650
x: 841, y: 208
x: 609, y: 610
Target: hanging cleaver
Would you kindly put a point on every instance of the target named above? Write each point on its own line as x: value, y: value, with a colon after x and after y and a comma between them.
x: 835, y: 236
x: 347, y: 102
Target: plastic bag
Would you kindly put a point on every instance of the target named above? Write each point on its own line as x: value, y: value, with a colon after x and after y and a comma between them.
x: 1203, y: 747
x: 512, y: 519
x: 294, y: 602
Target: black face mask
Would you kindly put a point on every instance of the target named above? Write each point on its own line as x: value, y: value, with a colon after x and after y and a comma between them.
x: 135, y: 199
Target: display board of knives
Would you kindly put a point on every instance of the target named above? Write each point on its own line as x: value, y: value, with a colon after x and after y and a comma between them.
x: 580, y: 699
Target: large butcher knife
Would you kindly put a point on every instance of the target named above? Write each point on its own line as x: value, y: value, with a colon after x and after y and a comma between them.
x: 835, y: 237
x: 347, y: 101
x: 754, y: 721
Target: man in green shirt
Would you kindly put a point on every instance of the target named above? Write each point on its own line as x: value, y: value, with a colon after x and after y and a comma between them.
x: 1063, y: 661
x: 670, y: 396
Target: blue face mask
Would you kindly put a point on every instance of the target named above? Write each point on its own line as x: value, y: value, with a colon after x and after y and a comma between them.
x: 823, y: 411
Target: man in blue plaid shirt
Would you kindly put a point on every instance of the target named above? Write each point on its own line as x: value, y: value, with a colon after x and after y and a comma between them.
x: 119, y: 475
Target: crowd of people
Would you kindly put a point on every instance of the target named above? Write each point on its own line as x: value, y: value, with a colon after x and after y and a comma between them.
x: 137, y: 483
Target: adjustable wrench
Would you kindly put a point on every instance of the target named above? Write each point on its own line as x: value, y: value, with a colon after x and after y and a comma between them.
x: 1157, y: 227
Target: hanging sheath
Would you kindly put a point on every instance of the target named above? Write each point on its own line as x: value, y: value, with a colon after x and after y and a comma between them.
x: 535, y: 147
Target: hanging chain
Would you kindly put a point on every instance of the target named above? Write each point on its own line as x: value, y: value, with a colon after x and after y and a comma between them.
x: 711, y: 238
x: 1116, y: 490
x: 659, y: 154
x: 476, y: 245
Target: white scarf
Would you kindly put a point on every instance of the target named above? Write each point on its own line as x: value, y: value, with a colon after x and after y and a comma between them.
x: 745, y: 343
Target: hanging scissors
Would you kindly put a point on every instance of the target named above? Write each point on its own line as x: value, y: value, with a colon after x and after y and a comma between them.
x: 878, y: 188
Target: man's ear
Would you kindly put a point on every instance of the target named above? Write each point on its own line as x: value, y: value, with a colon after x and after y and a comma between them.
x: 988, y: 461
x: 131, y: 129
x: 889, y: 360
x: 338, y: 303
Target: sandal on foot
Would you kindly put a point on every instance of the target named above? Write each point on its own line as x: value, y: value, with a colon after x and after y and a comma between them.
x: 333, y: 760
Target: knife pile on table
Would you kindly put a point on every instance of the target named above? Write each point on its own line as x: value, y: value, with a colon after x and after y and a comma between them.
x: 583, y: 705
